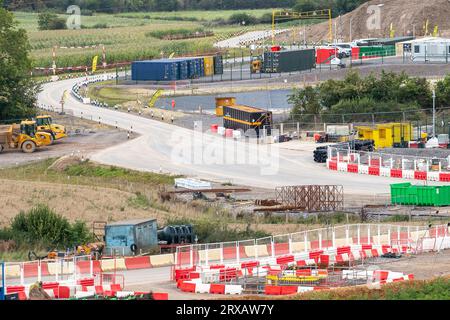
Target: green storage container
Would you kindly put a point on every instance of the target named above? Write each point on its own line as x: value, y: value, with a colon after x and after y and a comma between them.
x: 376, y: 51
x: 407, y: 194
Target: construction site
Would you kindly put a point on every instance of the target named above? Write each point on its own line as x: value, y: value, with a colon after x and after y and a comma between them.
x: 216, y: 176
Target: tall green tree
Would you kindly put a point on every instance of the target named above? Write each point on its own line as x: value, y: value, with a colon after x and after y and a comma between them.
x: 17, y: 89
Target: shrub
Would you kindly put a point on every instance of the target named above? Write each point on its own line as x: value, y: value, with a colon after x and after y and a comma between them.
x: 42, y: 227
x: 50, y: 21
x: 241, y: 18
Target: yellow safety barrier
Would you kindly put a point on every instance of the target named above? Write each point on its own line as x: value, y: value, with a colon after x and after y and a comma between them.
x: 162, y: 260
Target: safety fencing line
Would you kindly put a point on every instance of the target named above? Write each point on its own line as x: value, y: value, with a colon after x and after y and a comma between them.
x: 298, y: 244
x: 345, y: 161
x: 84, y: 288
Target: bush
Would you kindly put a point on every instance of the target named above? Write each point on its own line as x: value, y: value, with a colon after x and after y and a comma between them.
x: 241, y: 18
x: 42, y: 227
x: 50, y: 21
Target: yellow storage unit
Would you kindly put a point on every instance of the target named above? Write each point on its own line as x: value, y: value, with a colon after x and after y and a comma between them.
x: 224, y: 102
x: 386, y: 135
x: 209, y: 65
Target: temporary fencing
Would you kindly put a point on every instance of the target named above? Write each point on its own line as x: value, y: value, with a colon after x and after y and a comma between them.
x: 389, y: 165
x: 413, y: 237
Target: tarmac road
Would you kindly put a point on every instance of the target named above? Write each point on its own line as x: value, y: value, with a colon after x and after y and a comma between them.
x: 163, y: 147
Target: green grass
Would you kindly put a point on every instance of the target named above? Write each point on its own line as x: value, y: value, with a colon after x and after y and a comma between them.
x: 436, y: 289
x: 86, y: 173
x: 126, y: 37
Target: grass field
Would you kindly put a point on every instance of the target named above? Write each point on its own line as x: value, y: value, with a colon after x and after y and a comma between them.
x: 127, y: 36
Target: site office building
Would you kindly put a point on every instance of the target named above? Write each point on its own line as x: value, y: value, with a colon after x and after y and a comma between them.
x: 430, y: 49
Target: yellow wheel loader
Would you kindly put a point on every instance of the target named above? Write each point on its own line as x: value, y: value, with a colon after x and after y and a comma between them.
x: 45, y: 124
x: 23, y: 137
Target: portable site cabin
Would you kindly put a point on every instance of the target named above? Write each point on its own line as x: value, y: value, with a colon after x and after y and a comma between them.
x: 386, y: 135
x: 432, y: 49
x: 131, y: 236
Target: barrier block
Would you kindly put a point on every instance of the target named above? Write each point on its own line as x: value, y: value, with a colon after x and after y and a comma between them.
x: 160, y: 296
x: 352, y: 167
x: 381, y: 275
x: 202, y: 288
x: 420, y: 175
x: 285, y: 290
x: 137, y: 263
x: 285, y: 260
x: 444, y: 177
x: 233, y: 289
x: 375, y: 253
x: 217, y: 288
x: 88, y: 282
x: 50, y: 285
x: 272, y: 290
x: 250, y: 264
x: 332, y: 165
x: 162, y: 260
x: 324, y: 259
x: 396, y: 173
x: 280, y: 249
x: 84, y: 267
x: 301, y: 263
x: 345, y: 249
x: 63, y: 292
x: 188, y: 287
x: 374, y: 171
x: 366, y: 246
x: 15, y: 289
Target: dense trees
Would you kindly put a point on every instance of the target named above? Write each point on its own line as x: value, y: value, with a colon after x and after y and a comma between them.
x: 358, y: 98
x: 338, y: 6
x: 17, y: 90
x: 50, y: 21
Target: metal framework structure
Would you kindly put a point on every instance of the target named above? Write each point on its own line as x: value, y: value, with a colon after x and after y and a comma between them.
x: 312, y: 198
x: 280, y: 15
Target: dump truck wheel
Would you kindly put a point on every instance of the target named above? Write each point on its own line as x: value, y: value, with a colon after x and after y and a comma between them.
x: 28, y: 147
x: 52, y: 139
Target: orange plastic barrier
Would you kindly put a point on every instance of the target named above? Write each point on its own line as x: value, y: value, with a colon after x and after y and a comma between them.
x: 352, y: 167
x: 420, y: 175
x: 217, y: 288
x: 396, y: 173
x: 84, y: 267
x: 374, y: 171
x: 333, y: 165
x: 285, y: 260
x: 160, y: 296
x: 272, y: 290
x: 444, y: 177
x: 289, y: 290
x: 346, y: 249
x: 137, y: 263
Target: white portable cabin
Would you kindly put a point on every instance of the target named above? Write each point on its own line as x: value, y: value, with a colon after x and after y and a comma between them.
x: 431, y: 49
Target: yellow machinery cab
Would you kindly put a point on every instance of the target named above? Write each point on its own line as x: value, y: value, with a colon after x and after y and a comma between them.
x: 386, y: 135
x: 45, y: 124
x: 224, y: 102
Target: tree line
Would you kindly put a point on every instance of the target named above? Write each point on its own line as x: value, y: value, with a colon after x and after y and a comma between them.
x: 391, y: 96
x: 116, y: 6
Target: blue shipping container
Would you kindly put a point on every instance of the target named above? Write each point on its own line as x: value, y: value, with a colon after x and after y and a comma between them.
x: 124, y: 236
x: 155, y: 70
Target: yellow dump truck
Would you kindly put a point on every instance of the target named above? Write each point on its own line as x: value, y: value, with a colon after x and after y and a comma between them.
x: 23, y: 137
x: 45, y: 124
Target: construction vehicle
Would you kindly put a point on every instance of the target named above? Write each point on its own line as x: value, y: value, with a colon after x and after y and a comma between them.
x: 256, y: 64
x: 23, y: 136
x: 45, y: 124
x: 95, y: 250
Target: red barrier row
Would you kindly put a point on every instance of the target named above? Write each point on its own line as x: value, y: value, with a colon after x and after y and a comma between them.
x: 217, y: 288
x: 352, y: 167
x: 84, y: 267
x: 31, y: 269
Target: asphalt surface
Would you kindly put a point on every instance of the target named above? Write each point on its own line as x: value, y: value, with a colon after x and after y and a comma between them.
x: 163, y: 147
x: 159, y: 148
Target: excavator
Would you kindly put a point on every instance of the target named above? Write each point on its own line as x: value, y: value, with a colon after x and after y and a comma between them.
x: 45, y: 124
x: 23, y: 136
